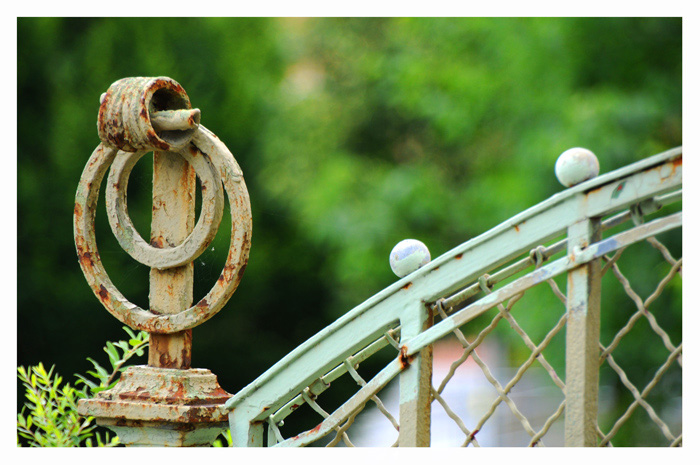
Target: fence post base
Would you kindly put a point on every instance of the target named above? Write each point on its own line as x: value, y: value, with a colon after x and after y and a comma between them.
x: 161, y: 407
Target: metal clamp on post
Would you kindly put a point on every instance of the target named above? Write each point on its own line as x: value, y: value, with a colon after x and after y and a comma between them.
x: 166, y: 403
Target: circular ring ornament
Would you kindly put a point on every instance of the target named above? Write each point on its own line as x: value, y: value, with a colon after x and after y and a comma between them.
x: 203, y: 142
x: 198, y: 240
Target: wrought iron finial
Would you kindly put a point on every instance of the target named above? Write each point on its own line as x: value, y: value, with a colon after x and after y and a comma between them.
x: 166, y: 402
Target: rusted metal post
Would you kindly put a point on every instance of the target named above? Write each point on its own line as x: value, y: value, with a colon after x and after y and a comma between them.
x: 415, y: 381
x: 171, y: 289
x: 166, y: 403
x: 582, y: 338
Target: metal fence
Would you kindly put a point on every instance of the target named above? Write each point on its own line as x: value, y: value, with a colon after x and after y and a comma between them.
x: 552, y: 291
x: 500, y: 341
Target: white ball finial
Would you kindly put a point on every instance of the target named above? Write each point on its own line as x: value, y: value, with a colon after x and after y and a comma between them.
x: 575, y: 166
x: 407, y: 256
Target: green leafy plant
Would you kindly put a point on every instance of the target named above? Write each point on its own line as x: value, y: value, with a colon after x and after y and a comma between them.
x: 106, y: 379
x: 49, y: 417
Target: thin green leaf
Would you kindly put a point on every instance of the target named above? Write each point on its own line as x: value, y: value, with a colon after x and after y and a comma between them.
x: 112, y: 352
x: 98, y: 367
x: 129, y: 332
x: 84, y: 380
x: 123, y: 345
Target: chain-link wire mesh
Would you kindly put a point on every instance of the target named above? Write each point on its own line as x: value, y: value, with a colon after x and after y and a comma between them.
x: 650, y: 369
x: 503, y: 379
x: 503, y: 390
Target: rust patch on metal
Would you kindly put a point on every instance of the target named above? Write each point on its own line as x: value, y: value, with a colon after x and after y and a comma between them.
x: 103, y: 293
x: 404, y: 359
x: 171, y: 350
x: 166, y: 362
x: 179, y: 392
x: 84, y: 256
x: 156, y: 141
x: 140, y: 393
x: 186, y: 356
x: 241, y: 270
x: 593, y: 191
x: 409, y: 284
x: 675, y: 164
x: 431, y: 313
x: 185, y: 427
x: 125, y: 422
x: 86, y: 260
x: 517, y: 228
x: 227, y: 271
x: 459, y: 256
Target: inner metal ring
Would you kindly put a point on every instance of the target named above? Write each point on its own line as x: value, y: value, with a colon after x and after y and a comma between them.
x: 200, y: 237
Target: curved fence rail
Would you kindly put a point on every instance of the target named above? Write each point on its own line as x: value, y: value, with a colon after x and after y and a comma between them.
x: 526, y: 335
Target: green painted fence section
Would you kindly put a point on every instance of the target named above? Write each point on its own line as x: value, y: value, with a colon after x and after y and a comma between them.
x: 566, y: 249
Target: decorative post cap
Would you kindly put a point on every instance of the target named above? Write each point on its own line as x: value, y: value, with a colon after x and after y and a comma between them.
x: 407, y: 256
x: 575, y: 166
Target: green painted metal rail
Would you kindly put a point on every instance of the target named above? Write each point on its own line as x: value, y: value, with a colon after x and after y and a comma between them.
x: 562, y: 236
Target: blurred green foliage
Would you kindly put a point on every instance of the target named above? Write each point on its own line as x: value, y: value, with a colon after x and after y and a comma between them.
x: 353, y: 133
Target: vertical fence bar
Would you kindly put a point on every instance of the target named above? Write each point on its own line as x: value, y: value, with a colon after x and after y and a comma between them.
x: 582, y: 339
x: 243, y: 432
x: 415, y: 381
x: 173, y: 215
